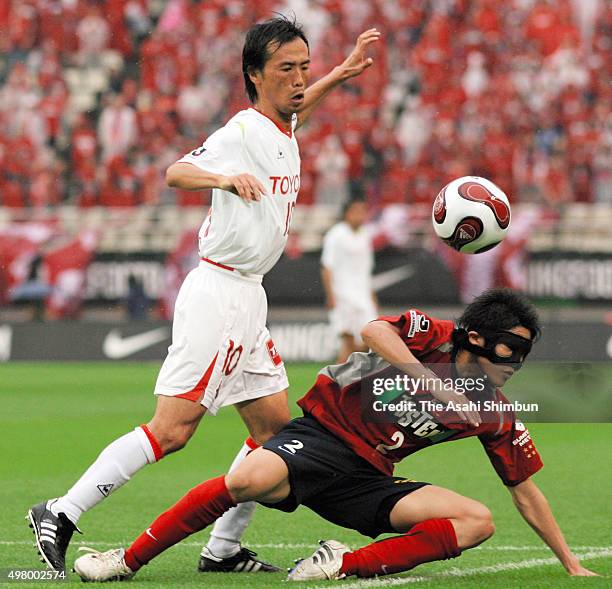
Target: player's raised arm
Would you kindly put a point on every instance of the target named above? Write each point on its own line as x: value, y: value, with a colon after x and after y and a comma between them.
x: 385, y: 339
x: 534, y: 508
x: 352, y: 66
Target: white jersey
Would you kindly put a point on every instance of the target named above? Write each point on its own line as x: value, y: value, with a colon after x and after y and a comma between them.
x: 349, y: 256
x: 249, y: 236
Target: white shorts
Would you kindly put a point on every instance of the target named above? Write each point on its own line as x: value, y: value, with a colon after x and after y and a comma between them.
x: 221, y: 351
x: 350, y: 317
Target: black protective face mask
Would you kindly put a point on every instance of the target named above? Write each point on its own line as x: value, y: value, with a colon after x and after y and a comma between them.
x: 518, y: 345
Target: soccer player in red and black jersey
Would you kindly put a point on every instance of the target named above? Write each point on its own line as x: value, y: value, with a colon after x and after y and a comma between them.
x: 338, y: 459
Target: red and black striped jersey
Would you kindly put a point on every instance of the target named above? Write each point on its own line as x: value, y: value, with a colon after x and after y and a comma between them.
x: 342, y: 398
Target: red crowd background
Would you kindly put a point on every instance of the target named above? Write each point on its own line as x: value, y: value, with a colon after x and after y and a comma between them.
x: 97, y: 97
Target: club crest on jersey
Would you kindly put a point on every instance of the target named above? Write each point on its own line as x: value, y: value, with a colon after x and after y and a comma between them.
x: 281, y: 155
x: 418, y: 323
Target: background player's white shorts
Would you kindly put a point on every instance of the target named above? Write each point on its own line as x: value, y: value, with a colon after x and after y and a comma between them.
x: 350, y: 317
x: 221, y: 350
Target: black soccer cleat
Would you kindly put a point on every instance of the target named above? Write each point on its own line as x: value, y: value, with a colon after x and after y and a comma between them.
x: 243, y: 561
x: 52, y: 533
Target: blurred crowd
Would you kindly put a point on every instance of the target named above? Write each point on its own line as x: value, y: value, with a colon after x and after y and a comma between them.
x: 98, y: 97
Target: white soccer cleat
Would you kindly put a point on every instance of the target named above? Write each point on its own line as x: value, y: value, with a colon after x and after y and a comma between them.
x: 325, y: 563
x: 102, y: 566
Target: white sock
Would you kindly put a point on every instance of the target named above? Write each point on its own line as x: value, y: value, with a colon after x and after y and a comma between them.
x: 114, y: 467
x: 225, y: 537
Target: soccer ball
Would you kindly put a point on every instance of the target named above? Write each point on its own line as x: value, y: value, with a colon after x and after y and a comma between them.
x: 471, y: 215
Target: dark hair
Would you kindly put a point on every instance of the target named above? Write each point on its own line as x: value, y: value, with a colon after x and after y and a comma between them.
x: 349, y: 203
x: 501, y: 308
x: 279, y: 30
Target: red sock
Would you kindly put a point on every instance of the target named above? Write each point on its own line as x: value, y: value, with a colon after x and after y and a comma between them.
x: 433, y: 539
x: 196, y: 510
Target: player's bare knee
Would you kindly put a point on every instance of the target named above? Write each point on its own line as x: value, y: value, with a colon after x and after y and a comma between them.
x: 240, y: 485
x: 481, y: 521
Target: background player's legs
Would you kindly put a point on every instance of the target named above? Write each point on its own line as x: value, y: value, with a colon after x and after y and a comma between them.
x: 439, y: 525
x: 264, y: 417
x: 346, y: 320
x: 173, y: 424
x: 348, y: 345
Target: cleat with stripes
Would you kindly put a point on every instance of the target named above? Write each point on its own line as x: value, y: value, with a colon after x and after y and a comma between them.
x: 243, y: 561
x: 52, y: 533
x: 325, y: 563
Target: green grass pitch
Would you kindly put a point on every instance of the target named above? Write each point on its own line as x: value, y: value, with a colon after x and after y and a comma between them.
x: 56, y: 417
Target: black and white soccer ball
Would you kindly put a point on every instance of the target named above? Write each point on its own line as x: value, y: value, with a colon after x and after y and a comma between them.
x: 471, y: 215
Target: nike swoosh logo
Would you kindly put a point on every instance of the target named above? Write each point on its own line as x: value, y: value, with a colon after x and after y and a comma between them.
x: 388, y: 278
x: 116, y: 347
x: 148, y: 533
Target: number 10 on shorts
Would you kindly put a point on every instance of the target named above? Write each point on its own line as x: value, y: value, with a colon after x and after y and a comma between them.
x: 231, y: 358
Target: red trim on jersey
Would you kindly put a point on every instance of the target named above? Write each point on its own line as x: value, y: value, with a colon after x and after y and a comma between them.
x: 251, y: 443
x: 278, y: 126
x: 157, y: 450
x: 218, y: 264
x: 196, y: 393
x: 209, y: 219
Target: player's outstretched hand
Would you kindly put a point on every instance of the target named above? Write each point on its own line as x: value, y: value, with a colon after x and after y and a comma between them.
x: 357, y: 62
x: 246, y: 186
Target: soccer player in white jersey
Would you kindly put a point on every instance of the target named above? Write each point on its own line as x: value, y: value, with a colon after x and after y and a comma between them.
x: 347, y: 262
x: 221, y: 352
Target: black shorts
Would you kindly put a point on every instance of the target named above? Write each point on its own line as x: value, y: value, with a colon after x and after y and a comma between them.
x: 333, y: 481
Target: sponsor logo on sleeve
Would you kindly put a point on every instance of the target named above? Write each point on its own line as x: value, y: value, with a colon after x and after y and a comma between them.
x: 523, y: 439
x: 418, y: 323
